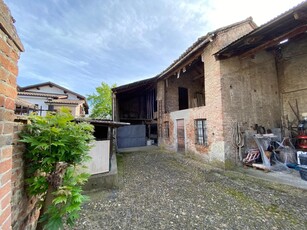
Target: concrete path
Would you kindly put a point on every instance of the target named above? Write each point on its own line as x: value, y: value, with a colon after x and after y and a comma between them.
x: 161, y: 190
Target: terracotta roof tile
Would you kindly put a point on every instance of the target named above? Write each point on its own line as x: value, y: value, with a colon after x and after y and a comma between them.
x: 65, y: 101
x: 42, y: 94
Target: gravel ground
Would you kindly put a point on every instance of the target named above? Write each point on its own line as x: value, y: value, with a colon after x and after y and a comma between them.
x: 161, y: 190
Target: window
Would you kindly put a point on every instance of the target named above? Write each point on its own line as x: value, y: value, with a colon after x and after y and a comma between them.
x: 201, y: 132
x: 166, y: 129
x: 183, y: 98
x: 50, y: 107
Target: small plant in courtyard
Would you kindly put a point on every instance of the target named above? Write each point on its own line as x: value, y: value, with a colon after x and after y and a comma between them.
x: 56, y: 148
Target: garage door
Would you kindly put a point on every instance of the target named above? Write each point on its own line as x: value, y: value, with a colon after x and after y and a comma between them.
x: 131, y: 136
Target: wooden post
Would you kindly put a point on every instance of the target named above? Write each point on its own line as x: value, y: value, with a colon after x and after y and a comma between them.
x: 110, y: 138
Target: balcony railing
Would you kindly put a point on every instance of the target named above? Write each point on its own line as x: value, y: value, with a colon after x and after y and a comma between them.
x: 27, y: 110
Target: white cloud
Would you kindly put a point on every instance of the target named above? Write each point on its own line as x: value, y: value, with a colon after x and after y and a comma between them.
x: 82, y: 43
x: 223, y: 12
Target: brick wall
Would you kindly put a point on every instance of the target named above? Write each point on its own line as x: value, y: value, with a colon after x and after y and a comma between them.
x: 256, y: 92
x: 212, y: 111
x: 25, y: 212
x: 10, y: 47
x: 186, y: 80
x: 248, y: 88
x: 250, y: 96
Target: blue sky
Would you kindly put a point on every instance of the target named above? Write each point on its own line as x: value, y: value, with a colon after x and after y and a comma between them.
x: 80, y: 43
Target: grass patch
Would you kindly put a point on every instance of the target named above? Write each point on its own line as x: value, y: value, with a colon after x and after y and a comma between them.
x: 240, y: 196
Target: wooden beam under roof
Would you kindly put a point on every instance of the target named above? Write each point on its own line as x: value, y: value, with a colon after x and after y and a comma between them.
x: 275, y: 41
x: 300, y: 15
x: 184, y: 64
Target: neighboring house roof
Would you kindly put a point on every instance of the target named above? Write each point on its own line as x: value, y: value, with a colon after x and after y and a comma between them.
x: 65, y: 101
x: 284, y: 26
x: 39, y: 94
x: 23, y: 103
x: 27, y: 91
x: 51, y: 84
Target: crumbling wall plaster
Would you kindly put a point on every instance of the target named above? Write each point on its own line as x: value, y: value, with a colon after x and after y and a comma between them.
x: 250, y: 96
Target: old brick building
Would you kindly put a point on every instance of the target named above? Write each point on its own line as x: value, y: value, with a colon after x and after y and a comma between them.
x: 189, y: 96
x: 187, y: 93
x: 264, y: 74
x: 237, y: 75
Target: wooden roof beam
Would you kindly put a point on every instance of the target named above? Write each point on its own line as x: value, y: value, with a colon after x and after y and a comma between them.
x: 277, y: 40
x: 179, y: 67
x: 300, y: 15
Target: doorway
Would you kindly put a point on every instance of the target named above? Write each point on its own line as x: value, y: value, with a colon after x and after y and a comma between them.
x: 180, y: 135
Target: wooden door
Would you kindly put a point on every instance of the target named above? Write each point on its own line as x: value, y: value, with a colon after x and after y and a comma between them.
x: 180, y: 135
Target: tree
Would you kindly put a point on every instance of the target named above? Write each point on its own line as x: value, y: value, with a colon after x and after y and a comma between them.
x: 56, y: 149
x: 101, y: 101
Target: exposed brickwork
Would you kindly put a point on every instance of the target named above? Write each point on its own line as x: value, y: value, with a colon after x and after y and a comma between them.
x: 185, y: 81
x: 256, y: 92
x: 213, y: 109
x: 250, y: 96
x: 24, y: 210
x: 10, y: 47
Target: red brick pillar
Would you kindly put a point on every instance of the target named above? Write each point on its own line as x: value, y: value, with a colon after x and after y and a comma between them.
x: 10, y: 48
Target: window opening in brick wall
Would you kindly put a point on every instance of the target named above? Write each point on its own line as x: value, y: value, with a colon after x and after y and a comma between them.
x: 166, y: 129
x: 201, y: 132
x: 183, y: 98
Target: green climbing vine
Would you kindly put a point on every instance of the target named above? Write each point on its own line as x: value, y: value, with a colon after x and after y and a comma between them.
x: 56, y: 148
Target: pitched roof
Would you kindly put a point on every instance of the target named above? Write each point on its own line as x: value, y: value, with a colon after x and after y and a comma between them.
x: 65, y: 101
x: 50, y: 84
x: 20, y: 102
x: 26, y: 88
x: 192, y: 52
x: 284, y: 26
x: 39, y: 94
x: 197, y: 47
x: 136, y: 84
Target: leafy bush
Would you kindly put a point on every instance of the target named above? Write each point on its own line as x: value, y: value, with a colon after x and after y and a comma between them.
x: 56, y: 148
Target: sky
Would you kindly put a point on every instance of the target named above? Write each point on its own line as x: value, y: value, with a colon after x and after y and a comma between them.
x: 79, y: 44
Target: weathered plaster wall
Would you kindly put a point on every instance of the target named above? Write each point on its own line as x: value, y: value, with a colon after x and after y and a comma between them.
x: 189, y: 116
x: 250, y: 96
x: 292, y: 76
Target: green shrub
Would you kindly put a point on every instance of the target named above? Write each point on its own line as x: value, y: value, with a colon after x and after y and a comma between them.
x: 56, y: 148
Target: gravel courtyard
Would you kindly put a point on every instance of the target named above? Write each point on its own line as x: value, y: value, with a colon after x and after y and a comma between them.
x: 161, y: 190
